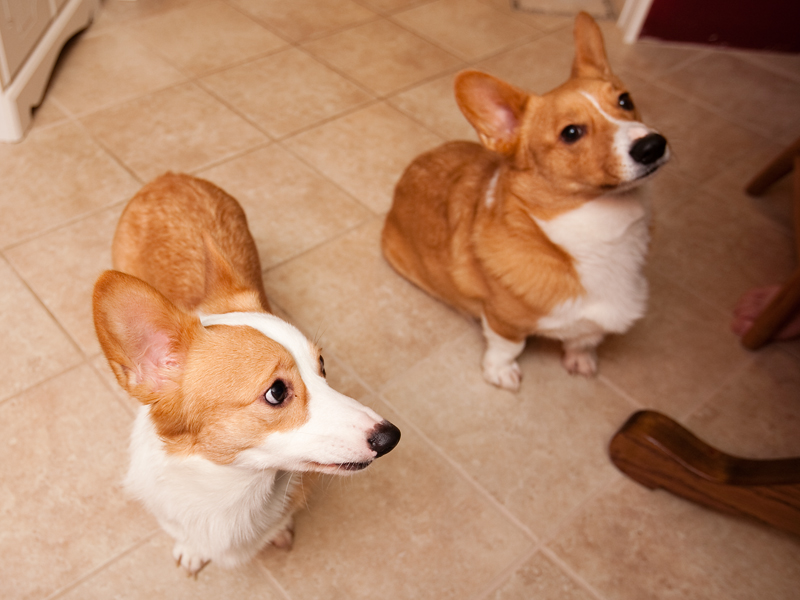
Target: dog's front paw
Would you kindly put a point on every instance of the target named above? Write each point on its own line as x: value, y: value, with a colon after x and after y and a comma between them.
x: 188, y: 558
x: 504, y: 375
x: 580, y: 362
x: 284, y: 539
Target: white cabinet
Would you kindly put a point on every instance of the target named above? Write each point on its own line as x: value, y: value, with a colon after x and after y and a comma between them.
x: 32, y: 33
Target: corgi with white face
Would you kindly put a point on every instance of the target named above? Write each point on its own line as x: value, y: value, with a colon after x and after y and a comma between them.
x: 532, y: 231
x: 235, y: 406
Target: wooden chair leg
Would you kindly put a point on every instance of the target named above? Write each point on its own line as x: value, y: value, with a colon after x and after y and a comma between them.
x: 786, y: 303
x: 779, y: 167
x: 657, y: 452
x: 796, y: 199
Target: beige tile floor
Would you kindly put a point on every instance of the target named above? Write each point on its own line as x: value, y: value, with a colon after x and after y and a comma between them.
x: 308, y: 111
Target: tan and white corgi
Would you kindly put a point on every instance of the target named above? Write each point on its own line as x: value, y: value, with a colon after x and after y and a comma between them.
x: 234, y: 400
x: 531, y: 231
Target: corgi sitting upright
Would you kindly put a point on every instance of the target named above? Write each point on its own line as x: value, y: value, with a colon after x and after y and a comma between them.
x: 533, y: 232
x: 234, y: 401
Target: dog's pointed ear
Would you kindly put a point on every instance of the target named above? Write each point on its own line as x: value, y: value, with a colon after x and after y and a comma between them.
x: 590, y: 51
x: 493, y: 107
x: 144, y: 336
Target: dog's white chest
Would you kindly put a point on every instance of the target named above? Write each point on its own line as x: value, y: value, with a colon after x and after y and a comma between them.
x: 607, y: 239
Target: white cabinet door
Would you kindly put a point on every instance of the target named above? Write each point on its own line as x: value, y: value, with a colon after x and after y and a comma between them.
x: 22, y: 22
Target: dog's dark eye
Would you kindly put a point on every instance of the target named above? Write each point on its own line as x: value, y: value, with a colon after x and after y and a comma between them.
x: 625, y: 101
x: 277, y: 393
x: 322, y: 366
x: 572, y: 133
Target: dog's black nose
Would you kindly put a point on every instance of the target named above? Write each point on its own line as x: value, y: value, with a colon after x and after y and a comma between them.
x: 384, y: 437
x: 649, y: 149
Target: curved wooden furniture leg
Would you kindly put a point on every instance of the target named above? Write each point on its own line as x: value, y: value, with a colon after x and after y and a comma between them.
x: 657, y: 452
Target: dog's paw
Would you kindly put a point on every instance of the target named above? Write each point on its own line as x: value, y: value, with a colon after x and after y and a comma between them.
x: 189, y: 559
x: 580, y: 362
x: 503, y: 375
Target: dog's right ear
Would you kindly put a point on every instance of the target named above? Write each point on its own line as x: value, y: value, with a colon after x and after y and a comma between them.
x: 143, y: 335
x: 493, y: 107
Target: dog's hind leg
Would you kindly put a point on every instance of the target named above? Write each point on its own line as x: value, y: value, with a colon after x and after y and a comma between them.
x: 580, y: 355
x: 500, y: 365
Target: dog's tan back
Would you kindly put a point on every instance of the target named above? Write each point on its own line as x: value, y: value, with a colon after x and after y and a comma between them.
x: 189, y: 239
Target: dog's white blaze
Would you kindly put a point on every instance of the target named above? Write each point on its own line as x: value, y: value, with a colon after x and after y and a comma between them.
x: 626, y: 134
x: 608, y: 239
x: 337, y: 428
x: 491, y: 189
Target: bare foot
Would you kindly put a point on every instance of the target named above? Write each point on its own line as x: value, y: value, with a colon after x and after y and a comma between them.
x: 750, y: 306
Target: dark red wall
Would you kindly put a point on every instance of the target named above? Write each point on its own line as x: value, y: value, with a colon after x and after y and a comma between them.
x: 761, y: 24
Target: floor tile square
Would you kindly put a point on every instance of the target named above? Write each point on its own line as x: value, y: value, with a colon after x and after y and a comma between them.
x: 68, y: 518
x: 679, y: 354
x: 468, y: 29
x: 756, y: 414
x: 434, y: 105
x: 178, y: 129
x: 743, y: 92
x: 34, y: 347
x: 303, y: 19
x: 309, y: 92
x: 371, y: 318
x: 366, y: 166
x: 542, y: 579
x: 98, y: 71
x: 382, y: 56
x: 290, y: 208
x: 635, y: 543
x: 164, y: 580
x: 205, y: 38
x: 54, y: 176
x: 61, y: 269
x: 540, y: 452
x: 719, y: 248
x: 444, y: 540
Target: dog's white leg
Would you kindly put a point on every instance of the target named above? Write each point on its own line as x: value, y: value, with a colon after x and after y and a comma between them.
x: 500, y: 367
x: 282, y: 536
x: 580, y: 356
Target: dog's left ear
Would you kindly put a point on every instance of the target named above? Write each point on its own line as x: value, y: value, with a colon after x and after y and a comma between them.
x: 590, y: 52
x: 493, y: 107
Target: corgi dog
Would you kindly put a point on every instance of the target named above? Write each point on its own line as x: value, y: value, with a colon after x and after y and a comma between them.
x: 234, y: 400
x: 533, y: 231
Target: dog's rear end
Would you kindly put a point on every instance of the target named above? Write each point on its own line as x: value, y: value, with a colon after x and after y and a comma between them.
x: 177, y: 232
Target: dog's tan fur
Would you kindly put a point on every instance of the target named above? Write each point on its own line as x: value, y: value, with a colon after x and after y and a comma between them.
x: 463, y: 222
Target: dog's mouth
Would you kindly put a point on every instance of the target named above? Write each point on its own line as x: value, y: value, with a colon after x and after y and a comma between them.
x: 340, y: 467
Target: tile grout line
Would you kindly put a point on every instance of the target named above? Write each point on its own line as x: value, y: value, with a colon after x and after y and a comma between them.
x: 44, y: 306
x: 542, y: 546
x: 102, y: 566
x: 322, y: 175
x: 574, y: 575
x: 67, y: 223
x: 611, y: 385
x: 732, y: 376
x: 501, y: 578
x: 561, y: 524
x: 713, y: 109
x: 488, y: 497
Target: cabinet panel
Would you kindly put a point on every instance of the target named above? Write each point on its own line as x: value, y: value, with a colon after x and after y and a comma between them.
x: 22, y: 22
